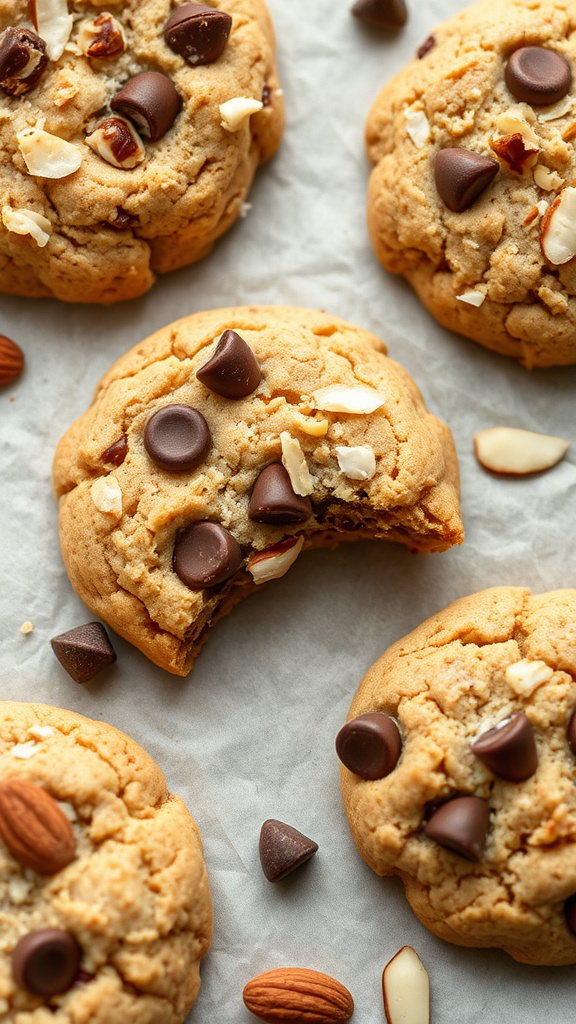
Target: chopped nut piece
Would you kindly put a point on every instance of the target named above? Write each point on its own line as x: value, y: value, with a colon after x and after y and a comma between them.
x: 26, y: 628
x: 569, y: 132
x: 558, y: 232
x: 25, y: 750
x: 40, y: 732
x: 27, y: 222
x: 515, y: 151
x: 406, y: 989
x: 547, y: 179
x: 310, y: 425
x: 472, y: 297
x: 525, y: 676
x: 23, y: 59
x: 295, y: 464
x: 102, y: 37
x: 53, y: 24
x: 118, y: 143
x: 107, y: 496
x: 46, y: 155
x: 357, y: 463
x: 358, y: 399
x: 508, y: 450
x: 417, y: 126
x: 274, y: 562
x: 234, y: 111
x: 19, y: 890
x: 512, y: 122
x: 531, y: 216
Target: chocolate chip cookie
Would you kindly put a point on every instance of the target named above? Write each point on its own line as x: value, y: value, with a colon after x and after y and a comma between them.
x: 105, y: 906
x: 130, y: 137
x: 471, y: 196
x: 459, y: 771
x: 224, y: 444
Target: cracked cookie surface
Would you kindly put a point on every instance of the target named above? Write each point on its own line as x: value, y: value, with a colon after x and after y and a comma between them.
x: 134, y: 898
x: 101, y: 232
x: 283, y: 467
x: 468, y: 669
x: 484, y: 270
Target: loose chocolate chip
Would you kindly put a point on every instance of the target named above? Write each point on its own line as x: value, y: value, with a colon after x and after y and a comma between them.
x: 381, y: 13
x: 177, y: 438
x: 570, y: 913
x: 427, y: 45
x: 198, y: 33
x: 46, y: 962
x: 461, y: 176
x: 274, y: 500
x: 509, y: 749
x: 116, y: 453
x: 283, y: 849
x: 461, y: 825
x: 233, y: 371
x: 369, y: 745
x: 84, y: 651
x: 538, y: 75
x: 23, y: 59
x: 571, y: 733
x: 151, y: 101
x: 206, y: 554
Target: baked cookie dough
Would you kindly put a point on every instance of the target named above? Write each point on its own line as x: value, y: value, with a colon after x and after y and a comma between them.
x: 464, y: 772
x: 472, y: 191
x: 105, y: 908
x: 218, y: 448
x: 130, y: 133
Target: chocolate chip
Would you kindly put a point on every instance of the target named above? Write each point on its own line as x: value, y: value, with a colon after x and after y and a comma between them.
x: 461, y: 825
x: 206, y: 554
x: 149, y: 100
x: 538, y: 75
x: 381, y: 13
x: 233, y: 371
x: 274, y: 500
x: 509, y: 749
x: 570, y: 913
x: 23, y: 59
x: 461, y: 176
x: 124, y: 220
x: 198, y: 33
x: 283, y: 849
x: 427, y: 45
x: 84, y: 651
x: 177, y: 438
x: 116, y: 453
x: 46, y: 962
x: 369, y: 745
x: 266, y: 96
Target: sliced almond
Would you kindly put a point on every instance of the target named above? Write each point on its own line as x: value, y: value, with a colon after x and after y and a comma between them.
x: 54, y: 25
x: 46, y: 155
x: 310, y: 425
x: 358, y: 399
x: 357, y: 463
x: 295, y: 464
x: 235, y: 110
x: 547, y: 179
x: 27, y: 222
x: 509, y: 450
x: 274, y: 562
x: 558, y: 231
x: 472, y: 297
x: 406, y: 989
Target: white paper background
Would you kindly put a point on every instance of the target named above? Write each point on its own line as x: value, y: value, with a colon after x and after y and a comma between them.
x: 250, y: 734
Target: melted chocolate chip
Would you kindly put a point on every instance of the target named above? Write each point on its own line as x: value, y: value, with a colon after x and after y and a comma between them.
x: 283, y: 849
x: 233, y: 371
x: 198, y: 33
x: 461, y: 825
x: 23, y: 60
x: 369, y: 745
x: 461, y: 176
x: 538, y: 75
x: 116, y: 453
x: 206, y: 554
x: 177, y: 438
x: 84, y: 651
x: 46, y: 962
x: 274, y: 500
x: 427, y: 45
x: 149, y: 100
x: 381, y: 13
x: 509, y: 749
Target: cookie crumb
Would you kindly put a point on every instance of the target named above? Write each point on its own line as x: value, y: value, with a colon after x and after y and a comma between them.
x: 26, y: 628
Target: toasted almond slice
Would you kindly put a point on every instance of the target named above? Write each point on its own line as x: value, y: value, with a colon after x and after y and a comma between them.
x: 54, y: 25
x: 358, y: 399
x: 509, y: 450
x: 406, y: 989
x: 27, y: 222
x: 295, y: 464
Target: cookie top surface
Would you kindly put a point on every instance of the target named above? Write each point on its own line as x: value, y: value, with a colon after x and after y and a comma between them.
x: 132, y: 897
x: 332, y: 441
x: 479, y: 824
x: 473, y: 144
x: 119, y: 148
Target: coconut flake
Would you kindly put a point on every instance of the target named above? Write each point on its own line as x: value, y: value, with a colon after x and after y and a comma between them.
x: 557, y: 110
x: 27, y: 222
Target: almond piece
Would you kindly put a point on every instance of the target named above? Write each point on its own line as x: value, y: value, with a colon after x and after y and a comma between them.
x: 11, y: 360
x: 508, y: 450
x: 406, y: 989
x: 274, y: 562
x: 291, y: 995
x: 558, y: 231
x: 35, y: 830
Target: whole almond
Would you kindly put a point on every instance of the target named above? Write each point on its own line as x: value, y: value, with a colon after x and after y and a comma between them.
x: 35, y: 830
x: 291, y: 995
x: 11, y: 360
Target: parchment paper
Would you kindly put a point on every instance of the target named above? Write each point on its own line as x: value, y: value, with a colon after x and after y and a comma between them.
x: 250, y: 734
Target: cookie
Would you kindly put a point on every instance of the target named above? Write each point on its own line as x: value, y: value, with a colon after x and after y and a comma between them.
x: 105, y: 906
x: 220, y: 447
x: 131, y: 135
x: 461, y: 755
x: 471, y: 193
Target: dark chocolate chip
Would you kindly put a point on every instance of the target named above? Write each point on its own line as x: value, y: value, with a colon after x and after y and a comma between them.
x: 116, y: 453
x: 274, y: 500
x: 266, y: 94
x: 233, y: 371
x: 381, y: 13
x: 206, y: 554
x: 369, y: 745
x: 198, y: 33
x: 151, y: 101
x: 509, y: 749
x: 427, y: 45
x: 46, y: 962
x: 283, y: 849
x: 177, y: 438
x: 461, y: 176
x: 124, y: 220
x: 538, y: 75
x: 461, y: 825
x: 23, y: 59
x: 570, y: 913
x: 84, y: 651
x: 571, y: 733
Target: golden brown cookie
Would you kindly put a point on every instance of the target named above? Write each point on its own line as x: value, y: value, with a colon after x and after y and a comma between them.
x: 130, y: 135
x: 104, y: 898
x: 461, y: 780
x: 218, y: 448
x: 472, y: 190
